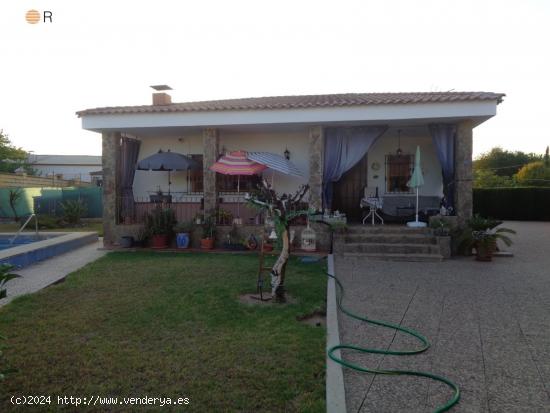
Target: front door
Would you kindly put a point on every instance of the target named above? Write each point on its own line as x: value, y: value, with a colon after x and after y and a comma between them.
x: 348, y: 191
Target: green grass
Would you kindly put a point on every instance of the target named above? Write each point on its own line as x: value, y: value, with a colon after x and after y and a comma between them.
x: 87, y: 227
x: 164, y: 324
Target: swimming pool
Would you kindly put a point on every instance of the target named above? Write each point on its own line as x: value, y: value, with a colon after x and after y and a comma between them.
x: 28, y: 249
x: 22, y: 239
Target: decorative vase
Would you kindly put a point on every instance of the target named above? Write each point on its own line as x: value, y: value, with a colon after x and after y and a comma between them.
x: 182, y: 240
x: 207, y: 243
x: 159, y: 241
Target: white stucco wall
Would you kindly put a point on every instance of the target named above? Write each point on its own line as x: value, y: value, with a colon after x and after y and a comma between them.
x: 296, y: 140
x: 276, y: 142
x: 149, y: 181
x: 431, y: 168
x: 191, y: 143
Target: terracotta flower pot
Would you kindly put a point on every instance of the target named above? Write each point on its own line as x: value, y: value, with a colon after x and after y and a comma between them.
x: 207, y: 243
x: 268, y: 248
x: 159, y: 241
x: 485, y: 250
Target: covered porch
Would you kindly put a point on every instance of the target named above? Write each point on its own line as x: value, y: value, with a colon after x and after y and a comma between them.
x: 312, y: 131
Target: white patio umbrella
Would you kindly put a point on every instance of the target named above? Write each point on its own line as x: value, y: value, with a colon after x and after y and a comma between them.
x: 275, y: 162
x: 416, y: 181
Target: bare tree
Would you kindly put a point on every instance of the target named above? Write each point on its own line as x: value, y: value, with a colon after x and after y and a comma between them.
x: 282, y: 209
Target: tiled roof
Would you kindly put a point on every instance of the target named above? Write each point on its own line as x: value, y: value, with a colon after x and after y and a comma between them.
x: 301, y: 102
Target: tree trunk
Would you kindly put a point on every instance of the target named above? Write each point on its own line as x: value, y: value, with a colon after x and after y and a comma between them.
x: 278, y: 270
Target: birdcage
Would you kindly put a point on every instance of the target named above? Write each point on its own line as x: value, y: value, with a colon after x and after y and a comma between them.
x: 309, y: 239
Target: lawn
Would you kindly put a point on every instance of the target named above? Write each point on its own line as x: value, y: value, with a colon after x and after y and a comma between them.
x: 169, y: 325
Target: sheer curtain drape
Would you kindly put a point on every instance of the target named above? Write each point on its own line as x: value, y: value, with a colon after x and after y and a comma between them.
x: 344, y: 147
x: 443, y: 136
x: 129, y: 152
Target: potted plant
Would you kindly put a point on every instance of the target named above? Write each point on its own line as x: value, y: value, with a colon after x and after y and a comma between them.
x: 126, y: 241
x: 267, y: 246
x: 234, y: 240
x: 483, y: 234
x: 441, y: 228
x: 224, y: 217
x: 141, y: 237
x: 183, y: 232
x: 198, y: 218
x: 208, y: 232
x: 160, y: 224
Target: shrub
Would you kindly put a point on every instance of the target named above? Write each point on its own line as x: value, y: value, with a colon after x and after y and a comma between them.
x: 160, y: 222
x: 522, y: 204
x: 441, y: 226
x: 185, y: 227
x: 209, y: 226
x: 48, y: 221
x: 534, y: 174
x: 73, y: 211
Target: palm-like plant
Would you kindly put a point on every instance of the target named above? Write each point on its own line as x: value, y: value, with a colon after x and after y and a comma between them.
x: 483, y: 234
x: 5, y: 276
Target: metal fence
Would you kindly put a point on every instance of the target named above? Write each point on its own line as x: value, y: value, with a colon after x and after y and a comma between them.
x: 186, y: 208
x: 49, y: 201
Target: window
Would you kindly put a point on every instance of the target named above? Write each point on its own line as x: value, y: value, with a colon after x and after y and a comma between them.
x: 398, y: 172
x: 225, y: 183
x: 228, y: 183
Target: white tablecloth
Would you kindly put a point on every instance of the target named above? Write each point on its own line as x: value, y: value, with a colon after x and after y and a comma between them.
x: 371, y: 202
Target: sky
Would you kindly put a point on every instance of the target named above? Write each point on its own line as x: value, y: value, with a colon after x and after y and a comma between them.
x: 107, y: 53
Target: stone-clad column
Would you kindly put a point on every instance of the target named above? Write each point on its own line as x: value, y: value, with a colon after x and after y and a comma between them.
x: 110, y: 159
x: 316, y: 148
x: 210, y: 143
x: 463, y: 171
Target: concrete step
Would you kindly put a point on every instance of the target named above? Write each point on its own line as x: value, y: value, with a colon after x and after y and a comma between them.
x: 391, y: 238
x: 386, y: 229
x: 396, y: 257
x: 382, y: 248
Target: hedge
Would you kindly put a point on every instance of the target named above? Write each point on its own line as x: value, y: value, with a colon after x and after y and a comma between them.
x: 522, y: 204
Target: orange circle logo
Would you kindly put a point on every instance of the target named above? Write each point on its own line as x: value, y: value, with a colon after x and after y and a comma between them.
x: 32, y: 16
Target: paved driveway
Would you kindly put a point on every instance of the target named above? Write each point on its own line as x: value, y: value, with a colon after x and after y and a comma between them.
x: 489, y: 325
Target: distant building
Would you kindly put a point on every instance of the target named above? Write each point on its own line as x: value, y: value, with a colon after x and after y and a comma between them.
x: 74, y: 167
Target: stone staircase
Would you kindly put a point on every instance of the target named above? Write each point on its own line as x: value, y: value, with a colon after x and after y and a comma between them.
x: 387, y: 242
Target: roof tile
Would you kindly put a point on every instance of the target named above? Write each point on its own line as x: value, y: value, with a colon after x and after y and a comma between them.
x: 301, y: 101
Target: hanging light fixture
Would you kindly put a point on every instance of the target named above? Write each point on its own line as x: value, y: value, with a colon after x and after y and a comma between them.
x: 399, y: 151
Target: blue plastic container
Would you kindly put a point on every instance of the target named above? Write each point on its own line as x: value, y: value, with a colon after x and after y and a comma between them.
x: 182, y: 240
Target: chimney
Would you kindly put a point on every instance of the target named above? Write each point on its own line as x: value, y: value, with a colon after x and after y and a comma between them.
x: 160, y: 97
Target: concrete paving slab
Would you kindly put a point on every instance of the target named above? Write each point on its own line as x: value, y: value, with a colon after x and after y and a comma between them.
x: 489, y: 325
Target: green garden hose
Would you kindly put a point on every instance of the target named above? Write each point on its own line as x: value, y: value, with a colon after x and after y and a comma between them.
x: 420, y: 337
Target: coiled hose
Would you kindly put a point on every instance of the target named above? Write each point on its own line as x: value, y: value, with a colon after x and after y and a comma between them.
x: 418, y: 336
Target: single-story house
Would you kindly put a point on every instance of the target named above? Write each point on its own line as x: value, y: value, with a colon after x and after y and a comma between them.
x: 70, y: 167
x: 343, y: 143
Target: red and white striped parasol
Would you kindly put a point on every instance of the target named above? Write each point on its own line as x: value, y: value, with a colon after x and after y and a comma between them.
x: 236, y: 163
